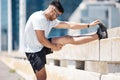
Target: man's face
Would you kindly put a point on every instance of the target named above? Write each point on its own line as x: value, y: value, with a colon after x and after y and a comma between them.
x: 55, y: 14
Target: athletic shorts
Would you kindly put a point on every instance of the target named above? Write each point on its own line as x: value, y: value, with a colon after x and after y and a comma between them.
x: 38, y: 59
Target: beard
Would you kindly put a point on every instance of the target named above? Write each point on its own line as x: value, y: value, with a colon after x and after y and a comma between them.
x: 51, y: 18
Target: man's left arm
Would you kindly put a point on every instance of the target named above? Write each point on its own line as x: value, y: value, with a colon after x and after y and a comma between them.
x: 73, y: 25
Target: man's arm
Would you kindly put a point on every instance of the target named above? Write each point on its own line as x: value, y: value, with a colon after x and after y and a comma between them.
x: 73, y: 25
x: 45, y: 42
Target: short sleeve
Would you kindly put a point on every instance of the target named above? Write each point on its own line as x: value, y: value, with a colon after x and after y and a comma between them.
x: 38, y: 24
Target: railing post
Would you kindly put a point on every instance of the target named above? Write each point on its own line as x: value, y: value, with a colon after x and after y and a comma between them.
x: 63, y: 63
x: 71, y: 64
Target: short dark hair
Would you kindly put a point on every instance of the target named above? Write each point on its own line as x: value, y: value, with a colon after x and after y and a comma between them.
x: 58, y: 5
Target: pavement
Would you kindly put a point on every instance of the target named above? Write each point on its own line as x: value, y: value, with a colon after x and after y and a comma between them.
x: 15, y: 66
x: 8, y: 74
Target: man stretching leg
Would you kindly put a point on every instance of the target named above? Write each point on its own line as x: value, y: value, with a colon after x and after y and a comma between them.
x: 37, y: 29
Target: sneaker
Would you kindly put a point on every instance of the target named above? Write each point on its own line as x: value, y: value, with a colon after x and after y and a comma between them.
x: 102, y: 31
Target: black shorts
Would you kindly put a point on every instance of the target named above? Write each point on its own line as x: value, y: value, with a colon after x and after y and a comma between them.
x: 38, y: 59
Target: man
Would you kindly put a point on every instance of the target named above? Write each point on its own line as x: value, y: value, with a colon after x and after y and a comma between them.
x: 36, y: 41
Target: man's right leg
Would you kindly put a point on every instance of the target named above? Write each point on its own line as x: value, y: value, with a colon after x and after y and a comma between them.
x: 37, y: 61
x: 41, y: 75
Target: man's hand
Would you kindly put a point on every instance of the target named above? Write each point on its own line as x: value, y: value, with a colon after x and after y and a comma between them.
x: 94, y: 23
x: 57, y: 47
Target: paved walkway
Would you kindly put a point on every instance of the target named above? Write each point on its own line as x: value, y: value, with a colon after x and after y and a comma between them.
x: 8, y: 74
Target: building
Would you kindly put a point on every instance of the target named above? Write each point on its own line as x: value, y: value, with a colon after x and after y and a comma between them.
x: 4, y: 21
x: 12, y: 7
x: 106, y: 11
x: 14, y: 14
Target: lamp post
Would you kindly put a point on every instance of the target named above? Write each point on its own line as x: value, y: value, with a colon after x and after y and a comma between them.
x: 0, y: 24
x: 22, y: 21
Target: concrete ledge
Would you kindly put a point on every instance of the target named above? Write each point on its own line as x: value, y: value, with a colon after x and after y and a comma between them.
x: 94, y: 66
x: 94, y: 54
x: 114, y: 32
x: 105, y: 50
x: 115, y: 49
x: 61, y: 73
x: 88, y: 51
x: 22, y: 67
x: 111, y: 76
x: 58, y: 73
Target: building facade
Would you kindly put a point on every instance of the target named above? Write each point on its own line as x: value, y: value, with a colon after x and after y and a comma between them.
x: 31, y: 6
x: 14, y: 16
x: 4, y: 21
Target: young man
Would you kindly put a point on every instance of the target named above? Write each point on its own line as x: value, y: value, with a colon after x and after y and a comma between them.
x: 36, y: 41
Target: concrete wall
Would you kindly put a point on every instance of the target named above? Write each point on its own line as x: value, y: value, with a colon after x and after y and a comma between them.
x: 62, y: 73
x: 97, y: 56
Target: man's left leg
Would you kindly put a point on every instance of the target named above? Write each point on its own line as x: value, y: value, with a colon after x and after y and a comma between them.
x: 75, y: 39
